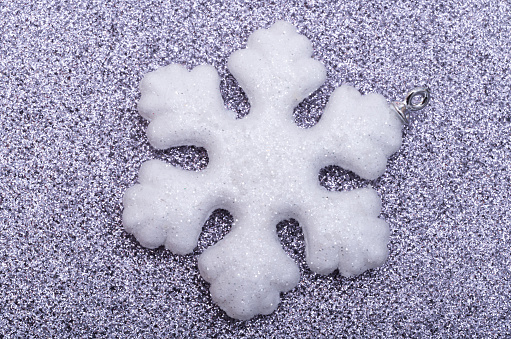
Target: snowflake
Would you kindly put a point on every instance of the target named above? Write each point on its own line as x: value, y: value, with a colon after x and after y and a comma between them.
x: 263, y: 169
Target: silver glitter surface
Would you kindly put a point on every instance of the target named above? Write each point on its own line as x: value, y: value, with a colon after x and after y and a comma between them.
x: 72, y: 141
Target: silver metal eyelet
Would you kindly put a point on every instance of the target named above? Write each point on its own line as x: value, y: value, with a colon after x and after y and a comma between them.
x: 415, y: 100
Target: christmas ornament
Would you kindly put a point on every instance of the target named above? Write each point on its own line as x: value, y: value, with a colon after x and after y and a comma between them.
x: 264, y: 169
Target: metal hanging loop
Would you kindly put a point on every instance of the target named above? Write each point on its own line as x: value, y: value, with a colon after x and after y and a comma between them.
x: 415, y: 100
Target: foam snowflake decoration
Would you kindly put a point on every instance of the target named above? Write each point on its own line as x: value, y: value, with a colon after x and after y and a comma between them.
x: 263, y: 169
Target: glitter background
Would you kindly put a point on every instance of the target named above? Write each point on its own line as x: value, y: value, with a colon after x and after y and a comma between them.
x: 72, y: 142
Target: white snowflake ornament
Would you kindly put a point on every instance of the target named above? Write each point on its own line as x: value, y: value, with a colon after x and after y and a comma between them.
x: 263, y: 169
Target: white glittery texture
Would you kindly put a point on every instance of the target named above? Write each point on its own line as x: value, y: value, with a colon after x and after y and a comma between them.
x: 263, y: 169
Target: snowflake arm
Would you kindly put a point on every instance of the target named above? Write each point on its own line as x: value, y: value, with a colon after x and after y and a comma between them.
x: 253, y: 269
x: 276, y: 68
x: 357, y: 132
x: 342, y: 231
x: 169, y: 206
x: 183, y: 107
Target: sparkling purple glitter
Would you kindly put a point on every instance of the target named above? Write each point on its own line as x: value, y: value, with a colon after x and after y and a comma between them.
x: 72, y: 142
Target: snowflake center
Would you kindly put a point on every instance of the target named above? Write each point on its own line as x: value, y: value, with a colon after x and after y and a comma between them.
x: 276, y: 161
